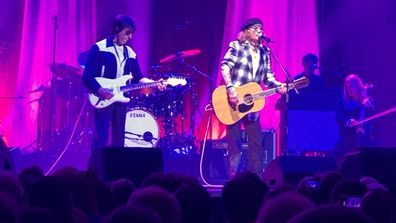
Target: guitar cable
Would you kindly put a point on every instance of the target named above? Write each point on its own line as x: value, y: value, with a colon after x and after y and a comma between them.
x: 70, y: 139
x: 208, y: 107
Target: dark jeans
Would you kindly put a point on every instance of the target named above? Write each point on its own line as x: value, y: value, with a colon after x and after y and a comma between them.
x: 106, y: 119
x: 112, y: 117
x: 255, y: 151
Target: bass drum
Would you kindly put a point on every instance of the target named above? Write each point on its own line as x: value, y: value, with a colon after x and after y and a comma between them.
x: 141, y: 129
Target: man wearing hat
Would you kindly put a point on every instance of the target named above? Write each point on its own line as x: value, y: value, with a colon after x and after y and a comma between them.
x: 247, y: 60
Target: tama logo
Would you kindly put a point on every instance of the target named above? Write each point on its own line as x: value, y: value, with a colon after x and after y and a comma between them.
x: 138, y: 115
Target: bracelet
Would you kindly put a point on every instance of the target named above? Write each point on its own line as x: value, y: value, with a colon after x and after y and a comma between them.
x: 229, y: 86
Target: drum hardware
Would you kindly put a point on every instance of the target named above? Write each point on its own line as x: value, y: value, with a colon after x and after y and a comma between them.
x: 84, y: 139
x: 179, y: 144
x: 39, y: 100
x: 58, y: 106
x: 170, y: 105
x: 147, y: 137
x: 180, y: 55
x: 35, y: 141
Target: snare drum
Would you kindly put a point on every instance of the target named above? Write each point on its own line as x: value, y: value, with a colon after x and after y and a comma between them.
x: 141, y: 129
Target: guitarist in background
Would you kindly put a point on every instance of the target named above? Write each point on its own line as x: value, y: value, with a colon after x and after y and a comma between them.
x: 247, y: 60
x: 112, y: 58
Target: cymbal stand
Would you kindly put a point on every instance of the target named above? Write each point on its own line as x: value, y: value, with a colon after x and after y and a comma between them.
x: 68, y: 105
x: 194, y: 101
x: 53, y: 81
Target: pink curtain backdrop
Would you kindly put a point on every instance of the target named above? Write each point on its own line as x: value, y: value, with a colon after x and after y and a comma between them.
x: 76, y: 33
x: 141, y: 42
x: 292, y: 26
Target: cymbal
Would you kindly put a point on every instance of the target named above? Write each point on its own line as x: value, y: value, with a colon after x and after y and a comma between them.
x: 67, y: 72
x: 181, y: 54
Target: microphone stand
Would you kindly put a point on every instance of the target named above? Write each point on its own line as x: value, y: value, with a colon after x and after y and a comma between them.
x: 193, y: 92
x: 289, y: 82
x: 53, y: 81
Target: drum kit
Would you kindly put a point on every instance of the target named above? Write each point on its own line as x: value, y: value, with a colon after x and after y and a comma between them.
x: 153, y: 119
x: 61, y: 108
x: 157, y: 119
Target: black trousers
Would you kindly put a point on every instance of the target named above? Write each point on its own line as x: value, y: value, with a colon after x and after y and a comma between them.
x: 106, y: 119
x: 255, y: 151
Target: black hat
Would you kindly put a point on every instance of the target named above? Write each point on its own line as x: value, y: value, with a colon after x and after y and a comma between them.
x: 250, y: 22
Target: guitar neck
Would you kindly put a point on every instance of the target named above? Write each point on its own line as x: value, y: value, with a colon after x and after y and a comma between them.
x: 270, y: 92
x: 265, y: 93
x: 138, y: 86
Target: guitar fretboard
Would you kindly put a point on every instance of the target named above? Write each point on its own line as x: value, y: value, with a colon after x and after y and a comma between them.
x: 132, y: 87
x: 264, y: 94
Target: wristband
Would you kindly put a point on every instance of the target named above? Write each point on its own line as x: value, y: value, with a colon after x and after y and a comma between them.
x: 229, y: 86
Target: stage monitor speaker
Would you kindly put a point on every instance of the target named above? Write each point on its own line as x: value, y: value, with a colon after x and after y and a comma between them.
x: 135, y: 164
x: 292, y: 169
x: 377, y: 162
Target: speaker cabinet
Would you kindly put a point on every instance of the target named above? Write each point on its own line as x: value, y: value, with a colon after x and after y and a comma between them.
x: 377, y: 162
x: 135, y: 164
x: 292, y: 169
x: 215, y: 160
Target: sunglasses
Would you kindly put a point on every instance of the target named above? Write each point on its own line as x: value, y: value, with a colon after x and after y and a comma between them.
x: 256, y: 28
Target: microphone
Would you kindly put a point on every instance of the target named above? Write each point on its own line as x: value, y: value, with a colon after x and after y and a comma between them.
x: 265, y: 38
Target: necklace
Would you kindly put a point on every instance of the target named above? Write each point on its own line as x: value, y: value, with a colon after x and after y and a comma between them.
x: 120, y: 56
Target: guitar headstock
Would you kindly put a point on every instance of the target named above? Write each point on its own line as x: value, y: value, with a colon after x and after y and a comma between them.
x: 174, y: 81
x: 299, y: 83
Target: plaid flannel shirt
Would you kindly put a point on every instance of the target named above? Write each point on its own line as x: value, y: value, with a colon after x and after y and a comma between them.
x: 239, y: 60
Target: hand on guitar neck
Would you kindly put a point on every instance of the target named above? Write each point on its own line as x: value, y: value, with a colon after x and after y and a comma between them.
x: 160, y: 86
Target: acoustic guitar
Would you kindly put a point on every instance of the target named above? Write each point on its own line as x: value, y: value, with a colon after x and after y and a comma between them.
x: 251, y: 98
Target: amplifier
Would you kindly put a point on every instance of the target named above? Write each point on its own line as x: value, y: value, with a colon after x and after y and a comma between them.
x: 269, y: 144
x: 216, y: 155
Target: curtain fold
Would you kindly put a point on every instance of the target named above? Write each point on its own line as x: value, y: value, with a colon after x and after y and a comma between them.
x: 75, y: 33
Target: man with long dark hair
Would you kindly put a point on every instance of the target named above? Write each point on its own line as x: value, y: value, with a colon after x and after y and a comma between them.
x: 247, y: 60
x: 111, y: 58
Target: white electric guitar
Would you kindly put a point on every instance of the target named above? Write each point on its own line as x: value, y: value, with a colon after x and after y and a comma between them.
x: 119, y: 86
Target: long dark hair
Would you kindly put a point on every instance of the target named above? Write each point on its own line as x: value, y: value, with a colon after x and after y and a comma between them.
x: 121, y: 22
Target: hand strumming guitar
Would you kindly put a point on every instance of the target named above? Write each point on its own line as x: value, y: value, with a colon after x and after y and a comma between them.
x: 232, y: 96
x: 105, y: 93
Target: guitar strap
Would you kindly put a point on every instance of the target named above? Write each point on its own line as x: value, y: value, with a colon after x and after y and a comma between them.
x: 129, y: 65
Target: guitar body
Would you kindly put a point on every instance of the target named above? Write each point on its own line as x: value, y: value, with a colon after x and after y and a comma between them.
x: 228, y: 115
x: 119, y: 86
x: 251, y: 99
x: 113, y: 84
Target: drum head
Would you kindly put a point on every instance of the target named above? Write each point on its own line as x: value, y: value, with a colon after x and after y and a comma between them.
x: 141, y: 129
